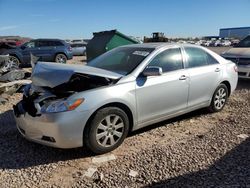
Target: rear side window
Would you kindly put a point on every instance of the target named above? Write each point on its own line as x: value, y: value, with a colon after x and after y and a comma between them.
x: 47, y: 43
x: 77, y: 45
x: 168, y: 60
x: 43, y: 43
x: 197, y: 57
x: 57, y: 43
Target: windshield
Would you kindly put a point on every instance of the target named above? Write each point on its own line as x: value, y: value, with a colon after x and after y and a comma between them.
x: 244, y: 43
x: 121, y: 60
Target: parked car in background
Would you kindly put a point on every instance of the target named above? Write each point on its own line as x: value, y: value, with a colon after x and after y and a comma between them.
x: 234, y: 42
x: 208, y: 43
x: 78, y: 49
x: 50, y: 50
x: 217, y: 43
x: 122, y: 90
x: 77, y: 41
x: 67, y: 41
x: 226, y: 43
x: 240, y: 54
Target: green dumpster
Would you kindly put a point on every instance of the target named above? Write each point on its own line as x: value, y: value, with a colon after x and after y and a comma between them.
x: 105, y: 41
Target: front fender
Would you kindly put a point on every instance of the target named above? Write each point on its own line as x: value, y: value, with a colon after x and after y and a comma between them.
x: 14, y: 53
x: 96, y: 98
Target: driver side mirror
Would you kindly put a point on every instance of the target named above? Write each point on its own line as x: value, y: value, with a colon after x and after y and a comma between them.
x: 152, y: 71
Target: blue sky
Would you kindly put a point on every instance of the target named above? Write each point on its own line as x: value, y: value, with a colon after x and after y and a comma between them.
x: 79, y: 18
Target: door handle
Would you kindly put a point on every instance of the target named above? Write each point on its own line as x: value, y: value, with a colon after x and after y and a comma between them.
x: 217, y: 70
x: 183, y: 77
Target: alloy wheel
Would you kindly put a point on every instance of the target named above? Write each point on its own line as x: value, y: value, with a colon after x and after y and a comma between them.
x: 220, y: 98
x: 13, y: 62
x: 60, y: 58
x: 110, y: 130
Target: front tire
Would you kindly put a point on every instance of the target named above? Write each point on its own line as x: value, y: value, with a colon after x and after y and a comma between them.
x: 107, y: 130
x: 60, y: 58
x: 13, y: 62
x: 219, y: 98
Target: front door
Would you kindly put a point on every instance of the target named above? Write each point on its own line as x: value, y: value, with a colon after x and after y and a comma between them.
x: 158, y: 96
x: 28, y: 49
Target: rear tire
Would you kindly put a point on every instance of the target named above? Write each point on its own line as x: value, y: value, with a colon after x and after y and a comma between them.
x: 60, y: 58
x: 219, y: 98
x: 107, y: 130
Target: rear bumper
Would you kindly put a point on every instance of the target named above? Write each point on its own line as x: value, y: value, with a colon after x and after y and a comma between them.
x: 244, y: 72
x: 60, y: 130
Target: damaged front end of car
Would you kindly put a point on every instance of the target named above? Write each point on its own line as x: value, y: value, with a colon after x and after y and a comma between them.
x: 48, y: 113
x: 53, y: 84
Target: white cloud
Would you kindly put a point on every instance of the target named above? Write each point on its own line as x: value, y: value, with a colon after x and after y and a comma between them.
x: 8, y: 27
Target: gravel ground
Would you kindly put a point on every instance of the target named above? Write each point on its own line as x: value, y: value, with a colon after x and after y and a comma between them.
x: 195, y: 150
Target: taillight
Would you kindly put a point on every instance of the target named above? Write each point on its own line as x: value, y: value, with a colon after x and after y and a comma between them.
x: 235, y: 68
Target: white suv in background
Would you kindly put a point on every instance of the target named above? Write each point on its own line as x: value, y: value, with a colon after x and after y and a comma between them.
x: 240, y: 54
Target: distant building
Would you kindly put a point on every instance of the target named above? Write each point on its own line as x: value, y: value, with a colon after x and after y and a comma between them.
x: 236, y: 32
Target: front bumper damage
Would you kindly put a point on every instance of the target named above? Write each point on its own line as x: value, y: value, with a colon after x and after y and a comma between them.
x: 61, y: 130
x: 51, y: 82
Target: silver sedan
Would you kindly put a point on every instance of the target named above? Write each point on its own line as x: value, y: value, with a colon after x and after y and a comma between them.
x: 123, y: 90
x: 78, y: 49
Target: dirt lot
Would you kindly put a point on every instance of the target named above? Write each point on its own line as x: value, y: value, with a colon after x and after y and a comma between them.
x: 195, y: 150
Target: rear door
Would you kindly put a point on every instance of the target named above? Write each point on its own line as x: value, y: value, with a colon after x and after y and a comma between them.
x: 45, y: 50
x: 205, y: 74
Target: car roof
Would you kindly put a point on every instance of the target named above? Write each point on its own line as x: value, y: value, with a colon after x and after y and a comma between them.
x: 158, y: 45
x: 49, y: 39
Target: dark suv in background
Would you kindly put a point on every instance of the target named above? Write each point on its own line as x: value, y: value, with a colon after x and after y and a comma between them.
x: 50, y: 50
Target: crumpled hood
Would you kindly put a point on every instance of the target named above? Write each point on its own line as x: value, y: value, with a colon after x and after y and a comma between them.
x: 48, y: 74
x: 237, y: 52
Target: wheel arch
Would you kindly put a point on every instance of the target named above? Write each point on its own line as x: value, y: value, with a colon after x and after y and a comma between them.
x: 122, y: 106
x: 228, y: 85
x: 17, y: 56
x: 60, y: 53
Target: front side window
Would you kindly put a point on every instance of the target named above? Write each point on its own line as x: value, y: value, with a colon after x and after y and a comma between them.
x: 169, y: 60
x: 122, y: 60
x: 30, y: 44
x: 197, y: 57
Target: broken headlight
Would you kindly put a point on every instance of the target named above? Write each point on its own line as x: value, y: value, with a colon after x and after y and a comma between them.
x: 61, y: 106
